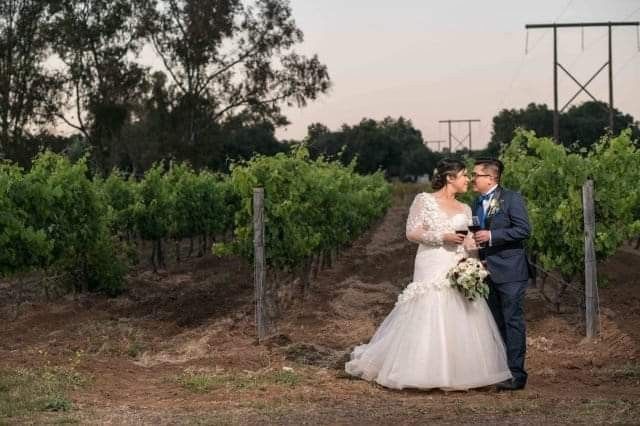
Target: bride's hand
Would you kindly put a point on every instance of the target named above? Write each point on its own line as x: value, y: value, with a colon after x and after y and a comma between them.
x: 453, y: 238
x: 469, y: 243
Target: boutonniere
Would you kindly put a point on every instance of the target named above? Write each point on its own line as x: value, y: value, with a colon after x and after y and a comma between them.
x: 494, y: 207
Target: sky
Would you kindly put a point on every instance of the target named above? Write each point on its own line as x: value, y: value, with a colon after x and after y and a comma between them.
x: 428, y: 60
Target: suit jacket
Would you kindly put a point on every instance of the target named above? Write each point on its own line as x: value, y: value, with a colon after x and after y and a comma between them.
x: 508, y: 222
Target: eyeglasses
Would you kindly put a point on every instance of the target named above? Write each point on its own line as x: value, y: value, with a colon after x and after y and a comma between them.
x: 473, y: 175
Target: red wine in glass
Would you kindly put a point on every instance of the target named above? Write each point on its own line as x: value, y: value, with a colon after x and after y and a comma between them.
x: 462, y: 231
x: 475, y: 224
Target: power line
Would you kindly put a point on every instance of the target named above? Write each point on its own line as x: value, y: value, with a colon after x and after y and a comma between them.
x: 628, y: 94
x: 520, y: 66
x: 631, y: 14
x: 556, y: 65
x: 566, y: 7
x: 604, y: 36
x: 625, y: 64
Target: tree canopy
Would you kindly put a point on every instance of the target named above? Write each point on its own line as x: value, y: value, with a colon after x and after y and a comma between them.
x: 581, y: 125
x: 226, y: 65
x: 392, y: 145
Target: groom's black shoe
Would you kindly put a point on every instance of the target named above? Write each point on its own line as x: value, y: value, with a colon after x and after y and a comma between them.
x: 510, y: 384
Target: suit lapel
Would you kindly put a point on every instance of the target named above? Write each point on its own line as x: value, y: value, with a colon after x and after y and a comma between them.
x: 497, y: 196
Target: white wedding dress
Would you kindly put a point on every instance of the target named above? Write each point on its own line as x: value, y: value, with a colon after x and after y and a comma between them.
x: 433, y: 337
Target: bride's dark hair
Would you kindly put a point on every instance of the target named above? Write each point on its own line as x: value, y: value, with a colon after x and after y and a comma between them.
x: 446, y: 167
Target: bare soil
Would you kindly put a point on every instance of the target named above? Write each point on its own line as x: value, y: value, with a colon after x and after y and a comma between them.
x: 144, y: 350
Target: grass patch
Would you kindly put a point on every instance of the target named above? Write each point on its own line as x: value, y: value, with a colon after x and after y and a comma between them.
x: 406, y: 189
x: 112, y: 338
x: 514, y: 406
x: 612, y: 411
x: 135, y: 348
x: 199, y: 382
x: 627, y: 371
x: 24, y: 391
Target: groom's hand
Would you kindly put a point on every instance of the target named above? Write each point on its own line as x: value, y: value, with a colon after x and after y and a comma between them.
x: 481, y: 237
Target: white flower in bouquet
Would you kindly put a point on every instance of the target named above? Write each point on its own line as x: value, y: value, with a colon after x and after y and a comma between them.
x: 469, y: 277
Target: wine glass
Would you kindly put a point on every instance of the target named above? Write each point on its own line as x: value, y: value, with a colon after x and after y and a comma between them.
x: 475, y: 224
x: 475, y: 227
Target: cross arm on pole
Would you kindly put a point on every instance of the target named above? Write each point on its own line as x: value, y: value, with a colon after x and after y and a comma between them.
x: 556, y: 65
x: 583, y: 24
x: 457, y: 121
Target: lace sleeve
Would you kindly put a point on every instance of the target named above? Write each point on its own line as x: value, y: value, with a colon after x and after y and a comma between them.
x: 467, y: 212
x: 419, y: 224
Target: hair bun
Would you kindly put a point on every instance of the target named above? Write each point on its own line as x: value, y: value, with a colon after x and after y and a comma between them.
x: 445, y: 167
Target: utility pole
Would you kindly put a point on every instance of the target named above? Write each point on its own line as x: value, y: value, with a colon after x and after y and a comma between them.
x: 556, y: 65
x: 590, y: 268
x: 435, y: 141
x: 452, y: 136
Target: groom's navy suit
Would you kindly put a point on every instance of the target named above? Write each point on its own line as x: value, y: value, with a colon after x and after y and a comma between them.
x: 507, y: 219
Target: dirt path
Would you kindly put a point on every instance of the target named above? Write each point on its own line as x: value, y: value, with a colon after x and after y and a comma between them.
x: 180, y: 349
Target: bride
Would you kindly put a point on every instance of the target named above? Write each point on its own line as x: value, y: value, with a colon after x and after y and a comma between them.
x: 434, y: 337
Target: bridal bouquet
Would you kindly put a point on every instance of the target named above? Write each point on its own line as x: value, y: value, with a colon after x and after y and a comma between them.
x: 469, y: 277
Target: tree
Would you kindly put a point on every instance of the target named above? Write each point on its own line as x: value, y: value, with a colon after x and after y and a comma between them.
x: 535, y: 117
x: 96, y: 40
x: 147, y: 138
x: 392, y: 145
x: 243, y: 140
x: 27, y: 89
x: 585, y: 124
x: 226, y: 58
x: 581, y: 125
x: 322, y: 141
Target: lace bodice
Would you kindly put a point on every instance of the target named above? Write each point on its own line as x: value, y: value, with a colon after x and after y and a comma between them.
x: 427, y: 223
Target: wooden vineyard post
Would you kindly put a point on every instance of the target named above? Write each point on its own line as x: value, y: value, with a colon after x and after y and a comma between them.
x: 590, y: 272
x: 259, y: 263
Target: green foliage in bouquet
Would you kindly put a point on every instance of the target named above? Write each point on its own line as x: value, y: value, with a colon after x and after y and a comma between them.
x: 469, y: 277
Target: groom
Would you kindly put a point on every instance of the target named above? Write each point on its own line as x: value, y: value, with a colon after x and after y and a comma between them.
x: 505, y: 226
